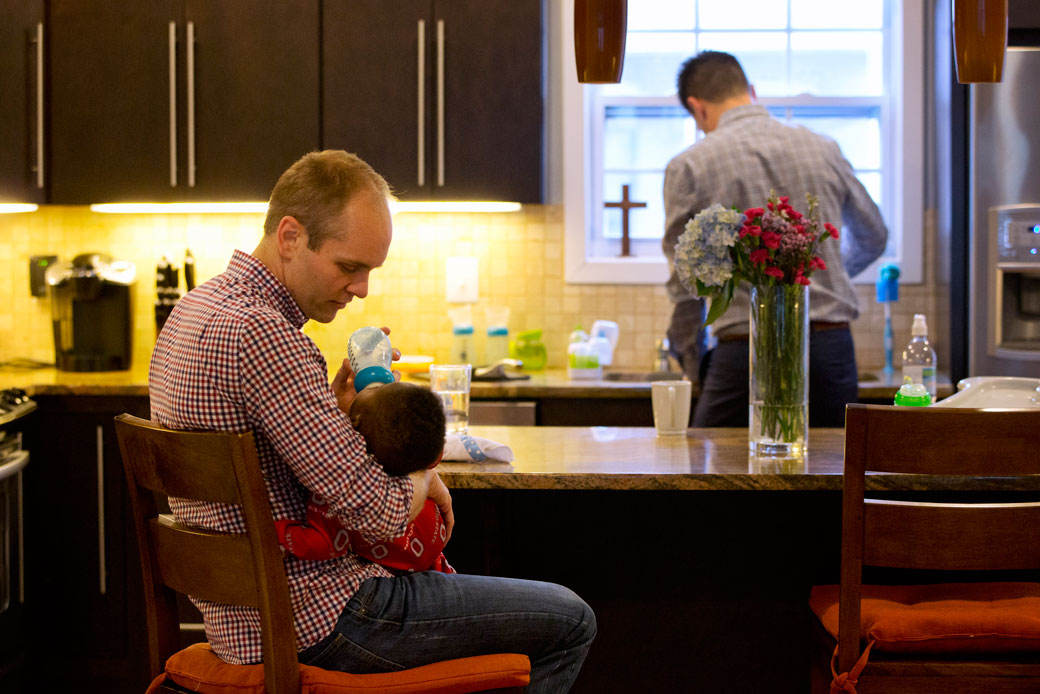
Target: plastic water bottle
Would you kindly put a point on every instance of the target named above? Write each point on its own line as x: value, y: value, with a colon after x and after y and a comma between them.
x: 497, y: 345
x: 462, y: 344
x: 370, y: 354
x: 919, y: 357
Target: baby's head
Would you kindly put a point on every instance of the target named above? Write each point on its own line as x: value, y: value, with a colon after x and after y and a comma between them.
x: 403, y: 425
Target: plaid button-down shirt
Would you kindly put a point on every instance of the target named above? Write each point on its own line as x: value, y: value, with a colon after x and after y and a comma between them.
x: 737, y: 164
x: 232, y: 357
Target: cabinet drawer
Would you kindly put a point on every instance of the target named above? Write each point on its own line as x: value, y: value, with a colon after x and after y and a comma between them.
x: 502, y: 413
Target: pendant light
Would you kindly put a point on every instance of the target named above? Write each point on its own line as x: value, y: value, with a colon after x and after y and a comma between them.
x: 980, y: 29
x: 599, y: 39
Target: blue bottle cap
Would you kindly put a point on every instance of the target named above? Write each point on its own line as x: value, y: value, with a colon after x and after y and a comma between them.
x: 497, y: 331
x: 462, y: 330
x: 371, y: 375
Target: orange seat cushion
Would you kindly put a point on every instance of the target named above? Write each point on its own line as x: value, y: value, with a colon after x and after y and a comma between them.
x: 941, y: 618
x: 199, y: 669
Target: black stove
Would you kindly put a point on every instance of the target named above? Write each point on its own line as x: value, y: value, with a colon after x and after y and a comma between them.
x: 14, y: 403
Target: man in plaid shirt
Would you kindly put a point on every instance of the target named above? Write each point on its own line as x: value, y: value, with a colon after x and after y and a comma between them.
x: 746, y: 153
x: 232, y: 357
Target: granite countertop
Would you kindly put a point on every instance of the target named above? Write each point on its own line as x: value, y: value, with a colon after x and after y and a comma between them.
x: 545, y: 384
x: 613, y: 458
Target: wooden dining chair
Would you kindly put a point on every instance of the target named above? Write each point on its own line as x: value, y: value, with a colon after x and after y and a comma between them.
x: 244, y: 569
x: 978, y: 630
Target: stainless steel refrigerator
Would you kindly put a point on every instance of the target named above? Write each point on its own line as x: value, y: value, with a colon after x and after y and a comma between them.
x: 1004, y: 221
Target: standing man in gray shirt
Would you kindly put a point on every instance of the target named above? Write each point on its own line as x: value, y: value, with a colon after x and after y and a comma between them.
x: 744, y: 155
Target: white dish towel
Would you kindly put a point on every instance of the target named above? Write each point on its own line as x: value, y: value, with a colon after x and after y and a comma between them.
x: 473, y: 449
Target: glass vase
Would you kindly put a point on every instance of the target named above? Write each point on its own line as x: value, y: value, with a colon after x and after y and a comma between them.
x: 779, y: 380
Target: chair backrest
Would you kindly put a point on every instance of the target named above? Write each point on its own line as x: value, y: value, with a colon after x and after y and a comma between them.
x: 928, y: 535
x: 237, y: 569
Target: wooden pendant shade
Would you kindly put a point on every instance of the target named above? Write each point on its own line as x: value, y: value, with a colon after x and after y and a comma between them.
x: 980, y: 29
x: 599, y: 39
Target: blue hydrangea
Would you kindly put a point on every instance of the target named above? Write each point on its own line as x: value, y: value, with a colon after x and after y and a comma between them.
x: 703, y: 249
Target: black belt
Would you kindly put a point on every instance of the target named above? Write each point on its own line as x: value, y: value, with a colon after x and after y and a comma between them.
x: 816, y: 326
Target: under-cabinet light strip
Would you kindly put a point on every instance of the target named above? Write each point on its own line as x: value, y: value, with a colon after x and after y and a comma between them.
x: 261, y: 207
x: 13, y: 207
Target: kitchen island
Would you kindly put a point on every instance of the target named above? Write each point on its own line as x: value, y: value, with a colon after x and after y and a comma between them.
x: 696, y: 558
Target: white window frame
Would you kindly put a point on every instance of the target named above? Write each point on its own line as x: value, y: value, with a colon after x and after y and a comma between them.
x: 902, y: 129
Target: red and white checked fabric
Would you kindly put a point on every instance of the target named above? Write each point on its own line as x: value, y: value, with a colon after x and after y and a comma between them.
x: 232, y: 357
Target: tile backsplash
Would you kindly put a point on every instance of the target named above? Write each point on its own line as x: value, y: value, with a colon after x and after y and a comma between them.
x: 520, y: 266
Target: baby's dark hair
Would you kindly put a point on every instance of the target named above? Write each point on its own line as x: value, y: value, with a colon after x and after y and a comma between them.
x: 404, y: 428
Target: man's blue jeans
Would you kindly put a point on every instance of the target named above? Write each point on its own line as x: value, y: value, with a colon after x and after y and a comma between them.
x: 415, y: 619
x: 833, y: 382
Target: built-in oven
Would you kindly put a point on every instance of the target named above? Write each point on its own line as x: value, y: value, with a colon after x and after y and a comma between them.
x: 14, y: 405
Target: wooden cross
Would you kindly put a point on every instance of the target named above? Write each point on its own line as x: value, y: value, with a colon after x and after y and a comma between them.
x: 625, y: 206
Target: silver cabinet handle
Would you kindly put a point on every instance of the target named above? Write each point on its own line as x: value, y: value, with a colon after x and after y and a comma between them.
x: 173, y: 104
x: 421, y: 91
x: 440, y: 102
x: 39, y: 104
x: 191, y: 104
x: 102, y: 583
x: 14, y: 468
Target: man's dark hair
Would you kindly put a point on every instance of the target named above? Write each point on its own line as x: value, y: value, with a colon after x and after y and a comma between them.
x: 712, y: 76
x: 408, y: 433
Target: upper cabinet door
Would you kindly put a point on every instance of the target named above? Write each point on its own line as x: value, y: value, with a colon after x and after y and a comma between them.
x: 256, y: 101
x: 443, y: 98
x: 171, y: 100
x: 112, y: 123
x: 21, y: 90
x: 375, y: 100
x: 492, y: 93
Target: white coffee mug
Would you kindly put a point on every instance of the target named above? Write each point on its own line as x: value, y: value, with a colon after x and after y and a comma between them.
x: 671, y: 402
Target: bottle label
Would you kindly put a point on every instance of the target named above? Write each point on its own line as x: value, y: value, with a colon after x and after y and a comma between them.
x: 914, y: 373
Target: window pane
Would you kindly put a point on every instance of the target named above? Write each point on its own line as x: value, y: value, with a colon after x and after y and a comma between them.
x: 644, y: 222
x: 836, y: 63
x: 828, y: 14
x: 743, y: 14
x: 763, y: 55
x: 644, y: 138
x: 858, y: 136
x: 871, y: 180
x: 646, y: 15
x: 652, y: 61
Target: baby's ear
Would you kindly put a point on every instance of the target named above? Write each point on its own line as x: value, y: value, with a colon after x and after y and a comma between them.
x: 436, y: 462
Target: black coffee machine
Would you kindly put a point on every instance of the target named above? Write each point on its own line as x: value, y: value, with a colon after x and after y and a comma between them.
x: 91, y: 313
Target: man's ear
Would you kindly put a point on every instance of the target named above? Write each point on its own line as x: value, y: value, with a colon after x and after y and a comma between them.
x: 291, y: 236
x: 692, y: 104
x: 751, y: 92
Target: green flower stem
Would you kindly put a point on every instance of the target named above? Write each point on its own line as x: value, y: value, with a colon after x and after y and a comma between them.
x: 779, y: 343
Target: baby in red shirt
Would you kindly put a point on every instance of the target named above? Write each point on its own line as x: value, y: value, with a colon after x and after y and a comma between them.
x: 403, y: 427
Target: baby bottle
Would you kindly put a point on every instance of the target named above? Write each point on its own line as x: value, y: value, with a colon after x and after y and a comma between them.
x: 370, y: 355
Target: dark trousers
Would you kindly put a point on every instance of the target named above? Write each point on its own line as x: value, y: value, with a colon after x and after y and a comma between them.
x: 833, y: 382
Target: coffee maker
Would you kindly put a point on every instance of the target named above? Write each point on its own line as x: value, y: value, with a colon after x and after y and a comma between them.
x: 91, y: 312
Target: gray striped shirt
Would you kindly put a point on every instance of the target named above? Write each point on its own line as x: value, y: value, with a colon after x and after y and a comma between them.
x: 737, y: 164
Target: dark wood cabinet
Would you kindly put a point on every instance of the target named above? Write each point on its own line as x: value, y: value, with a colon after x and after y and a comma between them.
x: 179, y: 99
x: 442, y: 97
x: 21, y: 75
x: 83, y: 586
